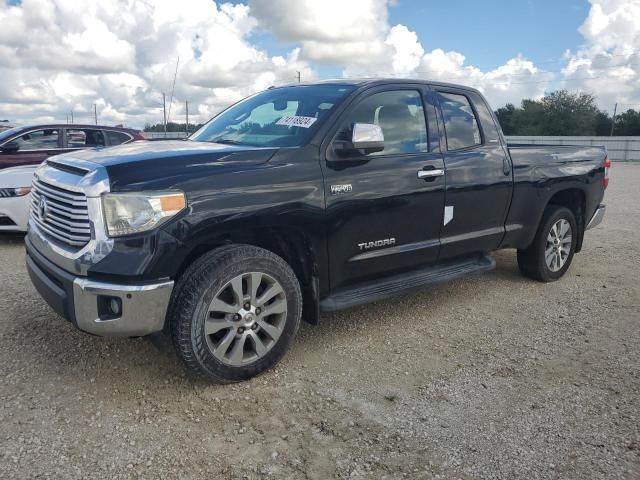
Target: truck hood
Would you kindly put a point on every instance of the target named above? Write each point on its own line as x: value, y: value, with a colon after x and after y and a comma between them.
x: 178, y: 150
x: 146, y: 165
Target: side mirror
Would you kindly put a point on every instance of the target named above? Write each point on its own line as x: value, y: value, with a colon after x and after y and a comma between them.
x: 366, y: 138
x: 10, y: 147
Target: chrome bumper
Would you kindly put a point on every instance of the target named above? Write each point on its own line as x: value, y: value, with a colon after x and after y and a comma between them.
x: 143, y: 307
x: 597, y: 217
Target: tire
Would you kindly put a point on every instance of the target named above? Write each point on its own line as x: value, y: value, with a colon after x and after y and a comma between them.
x: 226, y: 339
x: 535, y: 261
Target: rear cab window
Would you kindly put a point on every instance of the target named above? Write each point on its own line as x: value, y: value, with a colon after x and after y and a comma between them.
x: 460, y: 122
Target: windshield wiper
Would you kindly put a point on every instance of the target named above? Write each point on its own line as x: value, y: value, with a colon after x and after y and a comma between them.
x: 228, y: 141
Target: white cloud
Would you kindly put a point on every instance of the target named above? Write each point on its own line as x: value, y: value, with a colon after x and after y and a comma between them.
x: 357, y: 34
x: 328, y: 31
x: 608, y: 64
x: 58, y: 55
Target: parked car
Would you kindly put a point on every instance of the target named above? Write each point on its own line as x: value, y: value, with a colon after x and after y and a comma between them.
x: 294, y: 201
x: 15, y: 185
x: 32, y: 144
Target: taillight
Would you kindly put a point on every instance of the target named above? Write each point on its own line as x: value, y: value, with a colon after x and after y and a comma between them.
x: 607, y: 166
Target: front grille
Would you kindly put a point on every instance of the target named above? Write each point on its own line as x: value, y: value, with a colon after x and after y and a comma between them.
x: 7, y: 192
x: 60, y: 213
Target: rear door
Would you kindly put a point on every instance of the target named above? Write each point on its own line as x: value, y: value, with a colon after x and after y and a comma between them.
x: 34, y: 147
x: 381, y: 217
x: 479, y: 179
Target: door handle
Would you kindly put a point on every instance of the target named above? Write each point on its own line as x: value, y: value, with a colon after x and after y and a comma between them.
x: 436, y: 172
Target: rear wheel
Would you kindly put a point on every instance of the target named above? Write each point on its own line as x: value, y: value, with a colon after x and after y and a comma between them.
x: 550, y: 255
x: 235, y: 312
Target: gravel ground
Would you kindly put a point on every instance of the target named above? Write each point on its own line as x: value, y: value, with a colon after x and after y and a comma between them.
x: 488, y: 377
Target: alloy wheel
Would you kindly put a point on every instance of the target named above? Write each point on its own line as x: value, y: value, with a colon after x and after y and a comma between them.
x: 245, y: 318
x: 558, y: 245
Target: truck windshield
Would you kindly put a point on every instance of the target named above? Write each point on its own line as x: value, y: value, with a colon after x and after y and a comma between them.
x: 280, y: 117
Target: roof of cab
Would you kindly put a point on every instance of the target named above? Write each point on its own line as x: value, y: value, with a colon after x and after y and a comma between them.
x: 380, y: 81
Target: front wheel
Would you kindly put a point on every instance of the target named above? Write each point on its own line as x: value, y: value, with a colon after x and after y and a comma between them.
x: 235, y: 312
x: 551, y: 252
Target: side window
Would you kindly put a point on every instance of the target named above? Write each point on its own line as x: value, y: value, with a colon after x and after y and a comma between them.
x: 460, y: 122
x: 83, y: 138
x: 116, y: 138
x: 400, y: 115
x: 489, y: 128
x: 46, y: 139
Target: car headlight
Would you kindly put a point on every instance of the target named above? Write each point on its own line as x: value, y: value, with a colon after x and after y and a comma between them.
x: 17, y: 192
x: 127, y: 213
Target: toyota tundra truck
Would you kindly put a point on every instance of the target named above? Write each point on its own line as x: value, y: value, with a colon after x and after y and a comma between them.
x: 295, y: 201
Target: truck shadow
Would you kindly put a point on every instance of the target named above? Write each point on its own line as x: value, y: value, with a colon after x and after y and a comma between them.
x: 153, y: 358
x: 11, y: 238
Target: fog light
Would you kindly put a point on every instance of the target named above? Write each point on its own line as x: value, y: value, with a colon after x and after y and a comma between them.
x: 109, y: 307
x: 115, y: 306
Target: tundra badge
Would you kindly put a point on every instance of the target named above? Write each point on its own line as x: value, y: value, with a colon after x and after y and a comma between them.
x: 386, y: 242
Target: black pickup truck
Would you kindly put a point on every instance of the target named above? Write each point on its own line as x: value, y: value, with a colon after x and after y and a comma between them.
x: 298, y: 200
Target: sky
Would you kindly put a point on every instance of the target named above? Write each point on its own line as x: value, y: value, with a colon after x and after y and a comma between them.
x: 58, y: 56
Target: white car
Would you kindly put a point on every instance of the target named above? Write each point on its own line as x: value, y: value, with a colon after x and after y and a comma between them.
x: 15, y: 198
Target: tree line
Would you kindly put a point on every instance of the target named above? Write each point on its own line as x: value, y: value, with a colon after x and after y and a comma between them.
x: 565, y: 113
x: 172, y: 127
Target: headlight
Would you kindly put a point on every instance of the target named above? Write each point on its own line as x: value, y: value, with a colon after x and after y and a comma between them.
x: 14, y: 192
x: 127, y: 213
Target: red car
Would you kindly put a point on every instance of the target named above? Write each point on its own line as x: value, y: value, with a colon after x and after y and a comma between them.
x: 32, y: 144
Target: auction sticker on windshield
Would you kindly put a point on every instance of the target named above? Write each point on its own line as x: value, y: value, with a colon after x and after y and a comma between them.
x: 296, y: 121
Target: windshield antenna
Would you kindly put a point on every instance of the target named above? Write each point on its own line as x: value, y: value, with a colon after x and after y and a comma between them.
x: 173, y: 86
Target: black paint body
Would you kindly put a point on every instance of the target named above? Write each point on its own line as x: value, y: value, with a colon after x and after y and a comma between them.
x: 283, y: 196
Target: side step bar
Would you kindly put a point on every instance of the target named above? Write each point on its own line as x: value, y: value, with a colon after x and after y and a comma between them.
x: 397, y: 284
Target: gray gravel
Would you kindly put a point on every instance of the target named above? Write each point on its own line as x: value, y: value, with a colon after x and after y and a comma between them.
x: 488, y: 377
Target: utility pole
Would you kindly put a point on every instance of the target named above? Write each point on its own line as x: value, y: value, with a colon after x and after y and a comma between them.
x: 186, y: 108
x: 164, y: 113
x: 72, y: 117
x: 95, y: 112
x: 298, y: 76
x: 613, y: 120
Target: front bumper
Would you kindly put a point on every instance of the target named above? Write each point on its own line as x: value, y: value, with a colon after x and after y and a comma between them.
x: 16, y: 209
x: 84, y: 302
x: 597, y: 217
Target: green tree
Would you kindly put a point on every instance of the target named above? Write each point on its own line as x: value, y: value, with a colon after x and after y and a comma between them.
x: 628, y: 123
x: 567, y: 113
x: 603, y: 124
x: 506, y: 117
x: 171, y: 127
x: 562, y: 113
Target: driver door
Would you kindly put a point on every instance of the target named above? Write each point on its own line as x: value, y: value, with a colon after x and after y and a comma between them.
x: 381, y: 218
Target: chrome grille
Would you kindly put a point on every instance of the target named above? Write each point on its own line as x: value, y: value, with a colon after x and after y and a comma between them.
x: 60, y: 213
